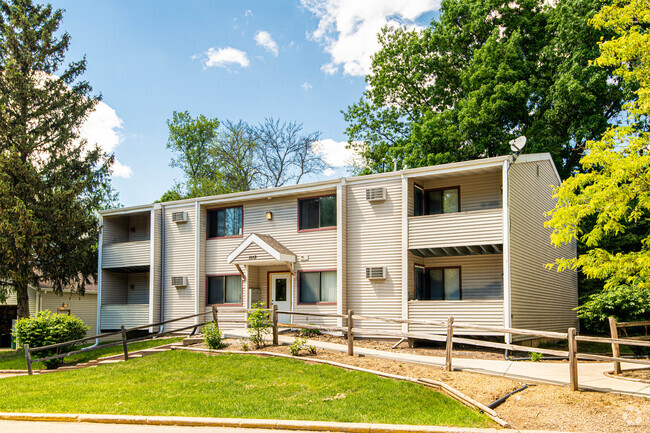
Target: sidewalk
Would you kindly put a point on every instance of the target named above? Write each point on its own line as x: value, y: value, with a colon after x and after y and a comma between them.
x: 590, y: 374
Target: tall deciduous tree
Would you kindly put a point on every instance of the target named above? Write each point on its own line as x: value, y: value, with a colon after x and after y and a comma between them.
x: 487, y: 71
x: 610, y: 198
x: 51, y: 182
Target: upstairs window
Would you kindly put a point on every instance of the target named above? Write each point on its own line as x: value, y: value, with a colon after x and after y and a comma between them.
x: 225, y: 222
x: 317, y: 213
x: 435, y: 201
x: 224, y: 289
x: 437, y: 284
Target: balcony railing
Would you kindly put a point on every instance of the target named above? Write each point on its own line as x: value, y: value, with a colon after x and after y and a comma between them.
x: 482, y: 227
x: 125, y: 254
x: 112, y: 316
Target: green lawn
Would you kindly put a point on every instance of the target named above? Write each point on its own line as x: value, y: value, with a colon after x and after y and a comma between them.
x: 15, y: 360
x: 240, y: 386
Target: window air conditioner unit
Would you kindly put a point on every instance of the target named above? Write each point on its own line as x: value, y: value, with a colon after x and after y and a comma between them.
x: 179, y: 281
x: 180, y: 217
x: 376, y: 194
x: 376, y: 273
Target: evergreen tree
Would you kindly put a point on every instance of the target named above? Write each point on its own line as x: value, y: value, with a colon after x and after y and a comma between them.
x: 51, y: 182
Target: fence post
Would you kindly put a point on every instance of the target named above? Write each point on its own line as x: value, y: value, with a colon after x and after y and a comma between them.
x: 573, y: 360
x: 124, y: 346
x: 450, y: 342
x: 616, y: 352
x: 215, y: 318
x: 350, y: 334
x: 274, y: 318
x: 28, y: 358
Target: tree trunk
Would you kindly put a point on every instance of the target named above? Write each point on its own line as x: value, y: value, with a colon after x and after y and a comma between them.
x: 23, y: 300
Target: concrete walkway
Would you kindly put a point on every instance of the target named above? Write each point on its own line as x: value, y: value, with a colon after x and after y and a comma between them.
x: 591, y: 375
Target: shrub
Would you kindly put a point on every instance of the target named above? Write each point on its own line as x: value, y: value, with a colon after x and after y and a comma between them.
x: 309, y: 332
x: 535, y: 357
x: 312, y: 349
x: 297, y: 346
x: 213, y: 336
x: 46, y: 328
x: 244, y: 346
x: 258, y: 324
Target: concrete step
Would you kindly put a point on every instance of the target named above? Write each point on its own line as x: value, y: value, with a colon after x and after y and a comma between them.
x: 193, y: 340
x: 110, y: 361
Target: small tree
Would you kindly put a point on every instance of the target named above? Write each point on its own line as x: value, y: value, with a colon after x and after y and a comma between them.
x: 46, y: 328
x: 258, y: 324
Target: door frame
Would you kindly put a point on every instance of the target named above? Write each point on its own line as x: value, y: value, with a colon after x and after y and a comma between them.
x: 268, y: 288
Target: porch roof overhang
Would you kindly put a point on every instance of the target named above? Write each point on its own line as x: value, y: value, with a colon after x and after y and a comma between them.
x: 272, y: 252
x: 473, y: 250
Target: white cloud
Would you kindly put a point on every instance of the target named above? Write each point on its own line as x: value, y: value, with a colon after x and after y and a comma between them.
x: 224, y: 57
x: 103, y: 128
x: 306, y: 86
x: 328, y: 172
x: 248, y: 13
x: 348, y: 28
x: 335, y: 153
x: 264, y: 39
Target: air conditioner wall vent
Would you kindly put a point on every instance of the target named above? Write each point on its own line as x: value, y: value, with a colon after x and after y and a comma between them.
x: 376, y: 194
x: 179, y: 281
x: 376, y: 273
x: 180, y: 217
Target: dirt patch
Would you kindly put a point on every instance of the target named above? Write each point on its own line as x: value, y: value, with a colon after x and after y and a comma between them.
x: 540, y: 407
x: 641, y: 375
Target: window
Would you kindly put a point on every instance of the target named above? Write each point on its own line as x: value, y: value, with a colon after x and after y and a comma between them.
x: 225, y: 222
x: 437, y: 284
x: 435, y: 201
x: 317, y: 287
x: 224, y: 289
x: 317, y: 213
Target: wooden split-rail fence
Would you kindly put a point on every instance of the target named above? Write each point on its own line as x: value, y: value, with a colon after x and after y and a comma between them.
x: 444, y: 333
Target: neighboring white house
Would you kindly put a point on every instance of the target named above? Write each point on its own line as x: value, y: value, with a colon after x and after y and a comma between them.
x: 84, y: 307
x: 465, y: 239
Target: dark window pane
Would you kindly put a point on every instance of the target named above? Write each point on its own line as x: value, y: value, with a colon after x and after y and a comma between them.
x: 309, y: 285
x: 419, y: 283
x: 281, y: 289
x: 452, y: 284
x: 433, y: 204
x: 418, y: 201
x: 215, y: 290
x: 436, y: 284
x: 233, y: 289
x: 328, y: 211
x: 309, y: 214
x: 212, y: 224
x: 221, y: 223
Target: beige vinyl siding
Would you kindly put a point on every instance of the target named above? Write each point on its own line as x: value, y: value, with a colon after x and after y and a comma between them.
x: 125, y: 254
x: 477, y: 190
x: 139, y: 227
x: 202, y: 283
x: 114, y: 288
x: 374, y: 238
x: 137, y: 291
x: 482, y: 227
x: 83, y: 307
x: 488, y: 313
x: 129, y: 315
x: 315, y: 250
x: 481, y: 275
x: 179, y: 262
x: 12, y: 299
x: 541, y: 298
x: 126, y: 228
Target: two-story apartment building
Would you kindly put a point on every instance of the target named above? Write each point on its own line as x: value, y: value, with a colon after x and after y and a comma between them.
x: 465, y: 239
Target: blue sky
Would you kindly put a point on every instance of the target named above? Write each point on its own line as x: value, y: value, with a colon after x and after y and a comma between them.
x: 294, y: 60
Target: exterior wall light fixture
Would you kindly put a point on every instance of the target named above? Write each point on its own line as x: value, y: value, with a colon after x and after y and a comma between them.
x: 269, y: 216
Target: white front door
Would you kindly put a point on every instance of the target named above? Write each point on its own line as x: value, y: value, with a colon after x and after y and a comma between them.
x: 281, y: 295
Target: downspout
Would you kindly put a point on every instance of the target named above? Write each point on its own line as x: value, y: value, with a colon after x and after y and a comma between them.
x: 162, y: 268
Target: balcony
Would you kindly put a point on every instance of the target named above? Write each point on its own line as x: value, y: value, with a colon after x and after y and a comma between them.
x: 127, y: 256
x: 112, y: 316
x: 459, y: 229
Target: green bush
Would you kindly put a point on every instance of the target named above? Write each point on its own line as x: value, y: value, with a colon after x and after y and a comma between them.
x: 309, y: 332
x: 297, y: 346
x: 213, y: 336
x: 258, y: 324
x: 46, y: 328
x: 535, y: 357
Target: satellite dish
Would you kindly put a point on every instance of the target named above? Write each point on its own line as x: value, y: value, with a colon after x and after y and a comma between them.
x: 518, y: 143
